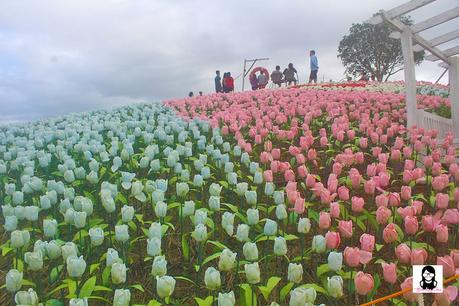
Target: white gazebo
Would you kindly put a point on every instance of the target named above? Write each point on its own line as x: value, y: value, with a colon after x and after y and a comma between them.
x: 411, y: 41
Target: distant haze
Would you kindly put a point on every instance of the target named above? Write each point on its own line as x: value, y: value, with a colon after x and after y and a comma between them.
x: 60, y: 56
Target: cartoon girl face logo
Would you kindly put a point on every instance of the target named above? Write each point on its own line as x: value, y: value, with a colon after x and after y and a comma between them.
x: 428, y: 278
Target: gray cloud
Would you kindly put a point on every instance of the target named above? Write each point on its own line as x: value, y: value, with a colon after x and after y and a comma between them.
x: 64, y: 56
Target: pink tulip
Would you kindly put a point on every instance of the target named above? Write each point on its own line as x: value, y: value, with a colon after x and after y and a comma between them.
x: 442, y: 233
x: 436, y: 170
x: 268, y: 145
x: 409, y: 295
x: 418, y: 206
x: 395, y: 154
x: 418, y: 256
x: 345, y: 228
x: 299, y: 205
x: 451, y: 216
x: 371, y: 170
x: 310, y: 181
x: 455, y: 256
x: 312, y: 154
x: 382, y: 200
x: 429, y: 223
x: 357, y: 204
x: 323, y: 141
x: 334, y: 209
x: 367, y: 242
x: 289, y: 176
x: 403, y: 253
x: 276, y: 153
x: 332, y: 182
x: 268, y: 175
x: 441, y: 200
x: 359, y: 157
x: 394, y: 199
x: 343, y: 193
x: 355, y: 178
x: 364, y: 283
x: 405, y: 193
x: 440, y: 182
x: 324, y: 220
x: 409, y: 164
x: 382, y: 215
x: 302, y: 171
x: 446, y: 298
x: 406, y: 211
x: 411, y: 225
x: 389, y: 272
x: 332, y: 240
x: 351, y: 256
x: 292, y: 196
x: 275, y: 166
x: 448, y: 265
x: 369, y: 186
x: 363, y: 142
x: 428, y: 161
x: 390, y: 233
x: 265, y: 157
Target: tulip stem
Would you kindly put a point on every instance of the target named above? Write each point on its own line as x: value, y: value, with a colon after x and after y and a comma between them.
x: 253, y: 295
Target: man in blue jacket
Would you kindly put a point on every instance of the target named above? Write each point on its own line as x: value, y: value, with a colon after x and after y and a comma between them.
x: 218, y: 82
x: 314, y: 66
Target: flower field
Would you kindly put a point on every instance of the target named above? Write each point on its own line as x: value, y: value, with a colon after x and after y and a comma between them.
x: 298, y: 196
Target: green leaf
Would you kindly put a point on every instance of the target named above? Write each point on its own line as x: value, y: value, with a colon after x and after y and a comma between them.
x: 272, y: 283
x: 60, y: 287
x: 154, y: 303
x: 54, y: 302
x: 88, y: 287
x: 185, y: 247
x: 183, y: 278
x: 72, y: 288
x: 289, y: 237
x: 204, y: 302
x: 106, y: 276
x: 6, y: 250
x: 377, y: 284
x: 218, y: 244
x: 316, y: 287
x: 285, y: 291
x: 138, y: 287
x: 247, y: 294
x: 210, y: 258
x: 322, y: 269
x: 121, y: 198
x: 93, y: 267
x: 102, y: 288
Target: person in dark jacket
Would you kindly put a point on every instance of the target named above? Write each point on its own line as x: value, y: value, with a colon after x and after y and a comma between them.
x: 218, y: 82
x: 289, y: 74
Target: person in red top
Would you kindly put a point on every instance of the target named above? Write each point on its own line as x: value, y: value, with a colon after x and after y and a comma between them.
x: 228, y: 82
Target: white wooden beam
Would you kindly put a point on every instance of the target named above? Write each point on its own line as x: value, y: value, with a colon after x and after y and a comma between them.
x: 448, y: 52
x: 439, y: 40
x: 400, y: 26
x: 401, y: 10
x: 443, y: 65
x: 410, y: 78
x: 435, y: 20
x: 454, y: 95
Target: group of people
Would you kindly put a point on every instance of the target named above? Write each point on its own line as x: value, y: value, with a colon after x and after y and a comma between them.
x: 225, y: 85
x: 289, y: 76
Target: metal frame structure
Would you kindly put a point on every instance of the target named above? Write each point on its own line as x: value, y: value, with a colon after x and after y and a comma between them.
x: 412, y: 41
x: 245, y: 71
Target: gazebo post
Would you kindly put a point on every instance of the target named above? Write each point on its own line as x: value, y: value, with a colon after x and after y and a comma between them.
x: 454, y: 95
x: 410, y: 77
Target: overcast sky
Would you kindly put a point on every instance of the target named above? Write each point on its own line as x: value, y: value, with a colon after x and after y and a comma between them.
x: 60, y: 56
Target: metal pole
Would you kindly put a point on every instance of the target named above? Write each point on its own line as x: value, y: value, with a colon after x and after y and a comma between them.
x: 243, y: 75
x: 410, y: 77
x: 454, y: 96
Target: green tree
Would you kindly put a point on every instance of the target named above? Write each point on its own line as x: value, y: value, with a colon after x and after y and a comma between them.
x: 369, y: 49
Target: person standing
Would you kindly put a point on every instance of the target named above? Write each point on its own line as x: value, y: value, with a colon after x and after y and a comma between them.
x: 253, y: 81
x: 276, y: 76
x: 218, y: 82
x: 314, y: 63
x: 229, y: 82
x: 262, y: 80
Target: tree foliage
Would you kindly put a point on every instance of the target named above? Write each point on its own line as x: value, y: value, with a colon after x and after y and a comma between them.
x: 369, y: 49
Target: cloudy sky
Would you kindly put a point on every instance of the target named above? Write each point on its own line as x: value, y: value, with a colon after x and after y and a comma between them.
x: 59, y: 56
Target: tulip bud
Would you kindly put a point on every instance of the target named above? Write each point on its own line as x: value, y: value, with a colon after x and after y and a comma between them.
x: 161, y: 209
x: 159, y: 266
x: 69, y: 249
x: 78, y: 302
x: 250, y: 251
x: 214, y: 203
x: 75, y: 266
x: 335, y: 261
x: 49, y: 227
x: 318, y: 244
x: 154, y: 246
x: 200, y: 217
x: 215, y: 189
x: 122, y: 297
x: 242, y: 232
x: 212, y: 278
x: 13, y: 280
x: 165, y: 286
x: 155, y: 230
x: 251, y: 197
x: 118, y: 273
x: 335, y: 286
x: 29, y: 297
x: 304, y: 225
x: 228, y: 222
x: 200, y: 233
x: 121, y: 233
x: 188, y: 208
x: 19, y: 238
x: 253, y: 216
x: 295, y: 273
x: 11, y: 223
x: 280, y: 246
x: 252, y: 273
x: 53, y: 250
x: 182, y: 189
x: 97, y: 236
x: 270, y: 228
x: 226, y: 260
x: 79, y: 219
x: 112, y: 257
x: 127, y: 213
x: 226, y: 299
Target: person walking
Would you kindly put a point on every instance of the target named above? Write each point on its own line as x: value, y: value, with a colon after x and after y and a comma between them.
x: 314, y: 66
x: 289, y: 74
x: 276, y: 76
x: 218, y: 82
